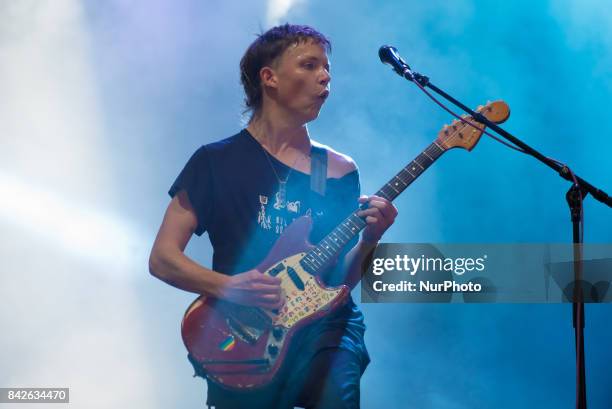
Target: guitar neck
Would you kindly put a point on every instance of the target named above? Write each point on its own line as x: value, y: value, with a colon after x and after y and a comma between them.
x: 327, y: 250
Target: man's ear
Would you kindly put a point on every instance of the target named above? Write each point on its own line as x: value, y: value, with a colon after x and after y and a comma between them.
x: 268, y: 77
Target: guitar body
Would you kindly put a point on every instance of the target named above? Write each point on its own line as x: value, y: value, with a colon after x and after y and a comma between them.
x: 242, y: 347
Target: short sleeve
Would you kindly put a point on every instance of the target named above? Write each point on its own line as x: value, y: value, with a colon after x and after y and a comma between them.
x: 196, y: 180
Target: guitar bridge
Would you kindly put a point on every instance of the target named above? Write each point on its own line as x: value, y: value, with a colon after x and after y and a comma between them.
x: 244, y: 332
x: 247, y: 323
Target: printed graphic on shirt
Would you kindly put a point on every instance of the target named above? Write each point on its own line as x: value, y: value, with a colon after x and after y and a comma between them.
x: 281, y: 223
x: 294, y: 207
x: 282, y: 213
x: 262, y: 219
x: 279, y: 198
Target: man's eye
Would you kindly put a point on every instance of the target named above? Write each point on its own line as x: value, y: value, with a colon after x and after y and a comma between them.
x: 309, y: 65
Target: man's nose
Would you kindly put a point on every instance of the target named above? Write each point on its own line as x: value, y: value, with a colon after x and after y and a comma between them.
x: 325, y: 77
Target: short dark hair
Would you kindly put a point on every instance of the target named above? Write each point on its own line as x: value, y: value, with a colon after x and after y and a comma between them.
x: 266, y: 48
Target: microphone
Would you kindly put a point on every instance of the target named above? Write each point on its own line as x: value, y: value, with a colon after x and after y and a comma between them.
x: 389, y: 55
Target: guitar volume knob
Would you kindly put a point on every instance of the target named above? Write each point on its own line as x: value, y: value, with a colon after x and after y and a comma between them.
x: 277, y: 333
x: 272, y: 349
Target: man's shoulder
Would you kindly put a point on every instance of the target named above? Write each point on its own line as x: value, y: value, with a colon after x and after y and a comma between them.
x: 224, y: 145
x: 339, y: 164
x: 221, y: 151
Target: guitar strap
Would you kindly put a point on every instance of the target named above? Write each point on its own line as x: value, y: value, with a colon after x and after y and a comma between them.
x: 318, y: 169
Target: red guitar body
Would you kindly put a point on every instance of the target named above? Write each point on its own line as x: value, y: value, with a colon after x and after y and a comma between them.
x: 244, y: 347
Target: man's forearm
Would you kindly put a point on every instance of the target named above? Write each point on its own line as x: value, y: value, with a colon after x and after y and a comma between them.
x: 354, y: 262
x: 178, y: 270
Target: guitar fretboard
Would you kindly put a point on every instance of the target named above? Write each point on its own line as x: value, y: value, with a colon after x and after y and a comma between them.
x: 326, y: 251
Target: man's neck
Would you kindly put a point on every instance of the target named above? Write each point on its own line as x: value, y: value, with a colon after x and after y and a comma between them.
x: 280, y: 137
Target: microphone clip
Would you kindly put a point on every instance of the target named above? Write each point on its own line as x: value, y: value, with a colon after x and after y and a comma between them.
x: 421, y: 79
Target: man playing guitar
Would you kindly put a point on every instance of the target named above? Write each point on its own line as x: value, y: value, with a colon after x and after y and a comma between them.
x: 245, y: 190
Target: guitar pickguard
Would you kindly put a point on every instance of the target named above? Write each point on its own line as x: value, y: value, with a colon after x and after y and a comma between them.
x: 304, y: 296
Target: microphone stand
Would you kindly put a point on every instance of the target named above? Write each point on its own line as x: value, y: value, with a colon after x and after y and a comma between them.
x: 574, y: 197
x: 580, y: 188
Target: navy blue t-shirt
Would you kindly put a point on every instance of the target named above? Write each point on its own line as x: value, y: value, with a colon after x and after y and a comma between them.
x: 232, y: 188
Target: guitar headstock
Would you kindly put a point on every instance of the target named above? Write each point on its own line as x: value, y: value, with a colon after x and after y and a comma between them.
x: 461, y: 135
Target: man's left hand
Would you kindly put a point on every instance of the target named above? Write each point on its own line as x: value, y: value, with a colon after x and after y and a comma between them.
x: 379, y: 216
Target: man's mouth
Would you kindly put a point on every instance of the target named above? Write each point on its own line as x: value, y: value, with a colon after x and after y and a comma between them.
x: 324, y: 94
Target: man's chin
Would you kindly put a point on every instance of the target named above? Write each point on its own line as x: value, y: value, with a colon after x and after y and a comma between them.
x: 309, y: 114
x: 314, y: 114
x: 311, y: 118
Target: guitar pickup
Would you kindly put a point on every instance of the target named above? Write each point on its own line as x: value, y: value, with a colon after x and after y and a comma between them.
x: 293, y: 275
x: 276, y: 270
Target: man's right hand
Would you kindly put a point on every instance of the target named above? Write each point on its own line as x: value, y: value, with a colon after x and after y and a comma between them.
x: 254, y: 289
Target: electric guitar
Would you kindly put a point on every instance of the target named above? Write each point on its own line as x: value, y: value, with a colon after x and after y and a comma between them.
x: 243, y: 348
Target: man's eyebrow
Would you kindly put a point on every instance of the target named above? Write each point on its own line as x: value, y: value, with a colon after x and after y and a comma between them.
x: 309, y: 57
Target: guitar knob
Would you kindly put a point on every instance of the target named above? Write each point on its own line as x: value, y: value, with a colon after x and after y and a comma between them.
x: 277, y: 333
x: 272, y: 349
